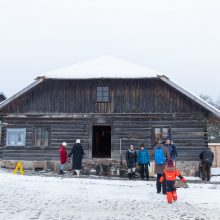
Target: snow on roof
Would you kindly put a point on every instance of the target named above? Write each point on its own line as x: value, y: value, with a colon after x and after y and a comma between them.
x: 23, y: 91
x: 103, y: 67
x: 110, y: 67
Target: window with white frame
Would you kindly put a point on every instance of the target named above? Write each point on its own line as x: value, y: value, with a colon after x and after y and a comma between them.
x: 16, y: 137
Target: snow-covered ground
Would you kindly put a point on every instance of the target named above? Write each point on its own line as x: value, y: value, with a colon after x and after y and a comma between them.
x: 215, y: 171
x: 37, y: 197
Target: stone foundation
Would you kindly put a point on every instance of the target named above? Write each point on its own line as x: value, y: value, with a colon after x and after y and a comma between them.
x: 99, y: 167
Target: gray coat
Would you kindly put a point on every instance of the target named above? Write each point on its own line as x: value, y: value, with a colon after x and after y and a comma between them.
x: 160, y: 168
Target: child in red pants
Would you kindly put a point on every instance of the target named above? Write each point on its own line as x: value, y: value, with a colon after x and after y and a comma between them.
x: 169, y: 175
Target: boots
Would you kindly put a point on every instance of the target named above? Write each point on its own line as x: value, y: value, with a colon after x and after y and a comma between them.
x: 133, y: 174
x: 169, y: 197
x: 174, y: 195
x: 129, y: 176
x: 61, y: 172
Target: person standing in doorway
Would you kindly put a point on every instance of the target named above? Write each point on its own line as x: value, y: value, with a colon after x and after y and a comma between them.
x: 77, y: 153
x: 63, y: 156
x: 161, y: 156
x: 131, y: 159
x: 206, y: 157
x: 144, y: 162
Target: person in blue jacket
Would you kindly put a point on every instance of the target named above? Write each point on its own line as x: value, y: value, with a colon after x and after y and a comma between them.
x: 144, y: 162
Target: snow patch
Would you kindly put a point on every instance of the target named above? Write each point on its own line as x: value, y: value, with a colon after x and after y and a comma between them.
x: 215, y: 171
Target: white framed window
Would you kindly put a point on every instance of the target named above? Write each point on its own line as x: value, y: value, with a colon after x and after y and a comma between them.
x: 16, y: 137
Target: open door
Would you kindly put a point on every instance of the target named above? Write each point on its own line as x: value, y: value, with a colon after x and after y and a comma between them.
x: 101, y: 145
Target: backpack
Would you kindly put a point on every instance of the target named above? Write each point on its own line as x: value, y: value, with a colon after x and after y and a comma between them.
x: 159, y: 156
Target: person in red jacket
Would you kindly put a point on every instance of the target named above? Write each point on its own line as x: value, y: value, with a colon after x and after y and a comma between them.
x: 63, y: 156
x: 170, y: 174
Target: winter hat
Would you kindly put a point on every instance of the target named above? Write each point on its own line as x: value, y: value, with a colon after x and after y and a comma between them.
x: 170, y: 163
x: 78, y: 141
x: 64, y: 144
x: 141, y: 145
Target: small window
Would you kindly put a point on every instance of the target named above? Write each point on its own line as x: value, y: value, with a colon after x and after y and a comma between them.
x: 160, y: 133
x: 102, y: 94
x: 16, y: 137
x: 41, y: 136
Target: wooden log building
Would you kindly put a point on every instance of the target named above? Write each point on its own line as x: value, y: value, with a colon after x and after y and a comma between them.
x: 108, y: 103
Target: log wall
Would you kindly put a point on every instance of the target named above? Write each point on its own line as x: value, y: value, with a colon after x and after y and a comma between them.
x: 189, y: 133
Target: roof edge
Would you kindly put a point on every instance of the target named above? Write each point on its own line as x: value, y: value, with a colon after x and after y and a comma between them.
x: 195, y: 98
x: 32, y: 85
x: 53, y: 78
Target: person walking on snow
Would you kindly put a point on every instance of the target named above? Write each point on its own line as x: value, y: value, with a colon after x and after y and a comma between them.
x: 170, y: 174
x: 78, y: 153
x: 131, y: 159
x: 63, y: 156
x: 144, y: 162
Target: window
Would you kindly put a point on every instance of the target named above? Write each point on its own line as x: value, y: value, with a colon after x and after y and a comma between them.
x: 41, y: 136
x: 102, y: 94
x: 160, y: 133
x: 16, y: 137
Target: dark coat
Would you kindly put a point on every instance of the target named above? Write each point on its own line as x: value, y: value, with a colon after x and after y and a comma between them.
x: 131, y: 158
x: 78, y: 153
x: 206, y: 156
x: 172, y: 150
x: 160, y: 168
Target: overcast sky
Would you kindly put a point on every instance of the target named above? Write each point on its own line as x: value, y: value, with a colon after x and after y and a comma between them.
x: 178, y: 38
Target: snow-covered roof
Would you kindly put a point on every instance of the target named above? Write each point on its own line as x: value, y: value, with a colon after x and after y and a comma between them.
x: 18, y: 94
x: 110, y: 67
x: 102, y: 67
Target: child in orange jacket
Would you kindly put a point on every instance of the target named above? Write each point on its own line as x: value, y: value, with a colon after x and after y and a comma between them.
x: 169, y: 175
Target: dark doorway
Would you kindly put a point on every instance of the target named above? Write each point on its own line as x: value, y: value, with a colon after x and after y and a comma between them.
x: 101, y: 144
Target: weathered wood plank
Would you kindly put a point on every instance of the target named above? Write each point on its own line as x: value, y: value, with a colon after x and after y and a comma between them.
x: 79, y: 96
